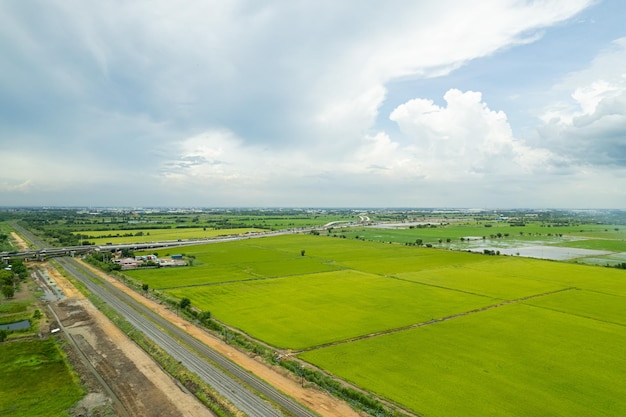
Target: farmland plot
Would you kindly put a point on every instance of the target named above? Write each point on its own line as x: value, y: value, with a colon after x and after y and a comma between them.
x: 100, y: 237
x: 441, y: 333
x: 512, y: 361
x: 308, y: 310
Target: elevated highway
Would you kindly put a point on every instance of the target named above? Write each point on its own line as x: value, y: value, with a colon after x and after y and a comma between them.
x: 46, y: 251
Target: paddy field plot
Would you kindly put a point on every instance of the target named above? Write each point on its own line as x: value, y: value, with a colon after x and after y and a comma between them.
x: 612, y: 245
x: 517, y: 360
x: 100, y: 237
x: 440, y: 333
x: 308, y: 310
x: 535, y: 240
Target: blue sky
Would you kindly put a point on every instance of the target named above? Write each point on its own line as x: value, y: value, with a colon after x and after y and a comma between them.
x: 338, y: 104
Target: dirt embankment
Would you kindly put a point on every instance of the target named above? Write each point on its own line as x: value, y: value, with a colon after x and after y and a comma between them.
x: 113, y: 368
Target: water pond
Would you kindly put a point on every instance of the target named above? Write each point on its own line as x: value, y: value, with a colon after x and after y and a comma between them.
x: 18, y: 325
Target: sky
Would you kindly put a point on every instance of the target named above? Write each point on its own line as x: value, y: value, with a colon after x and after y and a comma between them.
x: 295, y: 103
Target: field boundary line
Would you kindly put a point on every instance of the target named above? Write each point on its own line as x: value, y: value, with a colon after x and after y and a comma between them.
x: 430, y: 322
x: 259, y: 278
x: 427, y: 284
x: 569, y: 313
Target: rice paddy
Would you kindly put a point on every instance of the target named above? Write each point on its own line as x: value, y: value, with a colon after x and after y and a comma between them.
x: 440, y: 333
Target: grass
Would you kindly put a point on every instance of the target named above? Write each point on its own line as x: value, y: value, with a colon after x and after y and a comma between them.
x: 14, y: 307
x: 36, y: 380
x: 22, y: 307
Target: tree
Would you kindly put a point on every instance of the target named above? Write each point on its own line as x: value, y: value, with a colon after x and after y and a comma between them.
x: 302, y: 252
x: 19, y: 268
x: 419, y: 242
x: 6, y: 277
x: 184, y: 303
x: 145, y: 287
x: 3, y: 335
x: 8, y: 291
x: 204, y: 316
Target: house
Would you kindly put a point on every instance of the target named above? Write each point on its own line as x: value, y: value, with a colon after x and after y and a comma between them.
x: 127, y: 263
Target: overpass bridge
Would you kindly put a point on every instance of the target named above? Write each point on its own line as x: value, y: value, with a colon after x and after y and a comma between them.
x: 53, y: 252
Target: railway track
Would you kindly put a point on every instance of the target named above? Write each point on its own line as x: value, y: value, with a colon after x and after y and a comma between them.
x: 192, y: 353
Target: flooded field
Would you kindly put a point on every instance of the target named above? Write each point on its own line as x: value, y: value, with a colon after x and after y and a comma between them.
x: 610, y: 260
x: 20, y: 325
x: 545, y: 252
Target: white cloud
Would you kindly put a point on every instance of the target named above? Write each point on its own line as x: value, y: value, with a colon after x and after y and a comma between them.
x: 464, y: 143
x: 286, y: 93
x: 590, y: 126
x: 321, y: 67
x: 466, y: 138
x: 6, y: 186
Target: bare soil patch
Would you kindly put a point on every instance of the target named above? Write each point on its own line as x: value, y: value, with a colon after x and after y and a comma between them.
x: 21, y: 244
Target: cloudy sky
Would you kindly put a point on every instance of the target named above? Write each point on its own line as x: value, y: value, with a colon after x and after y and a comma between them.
x: 325, y: 103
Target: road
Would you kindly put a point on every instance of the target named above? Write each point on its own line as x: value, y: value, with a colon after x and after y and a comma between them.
x: 46, y: 251
x: 189, y: 351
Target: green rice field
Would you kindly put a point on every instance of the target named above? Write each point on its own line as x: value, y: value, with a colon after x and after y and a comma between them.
x: 498, y: 234
x: 99, y: 237
x: 516, y: 360
x: 440, y: 333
